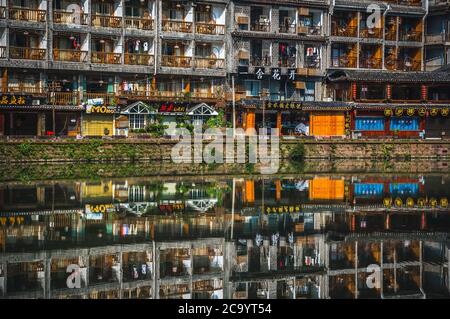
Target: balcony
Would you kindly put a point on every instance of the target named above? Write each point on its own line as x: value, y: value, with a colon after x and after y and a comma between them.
x: 26, y: 14
x: 437, y: 38
x: 108, y: 98
x: 69, y: 55
x: 372, y: 33
x: 138, y: 23
x: 261, y: 26
x: 344, y: 62
x: 309, y: 30
x: 209, y: 63
x: 27, y: 53
x: 403, y: 65
x: 344, y: 31
x: 261, y: 61
x: 312, y: 62
x: 411, y: 36
x: 138, y: 59
x: 66, y: 17
x: 289, y: 29
x: 207, y: 28
x: 176, y: 61
x: 25, y: 88
x: 176, y: 26
x: 289, y: 62
x: 106, y: 57
x: 106, y: 21
x: 372, y: 63
x: 64, y: 98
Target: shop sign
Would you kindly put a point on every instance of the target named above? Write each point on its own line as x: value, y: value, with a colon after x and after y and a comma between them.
x: 15, y: 100
x: 97, y: 101
x: 172, y: 107
x: 100, y: 208
x: 11, y: 221
x: 291, y: 74
x: 284, y: 105
x: 259, y: 72
x: 275, y: 73
x: 171, y: 208
x: 444, y: 111
x: 420, y: 202
x: 283, y: 209
x: 102, y: 109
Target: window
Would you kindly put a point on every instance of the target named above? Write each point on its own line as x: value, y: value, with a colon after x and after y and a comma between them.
x: 368, y: 189
x: 369, y: 124
x: 404, y: 124
x: 137, y: 121
x: 252, y: 88
x: 309, y: 94
x: 403, y: 189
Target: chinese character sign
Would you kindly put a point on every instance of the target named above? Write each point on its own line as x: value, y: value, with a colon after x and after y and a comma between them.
x: 276, y: 74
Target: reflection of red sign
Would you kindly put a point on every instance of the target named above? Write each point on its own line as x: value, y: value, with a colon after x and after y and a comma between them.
x: 171, y: 208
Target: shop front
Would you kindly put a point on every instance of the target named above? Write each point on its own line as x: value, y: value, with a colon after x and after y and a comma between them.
x: 135, y: 117
x: 437, y: 124
x: 326, y: 124
x: 98, y: 119
x: 393, y: 122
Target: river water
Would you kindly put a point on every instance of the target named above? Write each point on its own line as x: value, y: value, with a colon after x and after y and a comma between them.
x: 295, y: 237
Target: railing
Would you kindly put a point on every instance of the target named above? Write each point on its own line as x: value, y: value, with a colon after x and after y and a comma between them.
x: 69, y: 55
x: 290, y: 29
x: 27, y: 14
x: 344, y: 62
x: 108, y: 98
x: 314, y: 30
x: 312, y: 62
x: 2, y: 52
x: 139, y: 23
x: 344, y: 31
x: 26, y: 53
x: 208, y: 28
x: 138, y: 59
x: 372, y: 63
x: 258, y: 61
x: 209, y: 63
x: 107, y: 21
x: 202, y: 95
x: 25, y: 88
x: 106, y: 57
x: 416, y: 3
x: 434, y: 63
x: 260, y: 27
x: 287, y: 62
x: 176, y: 61
x: 408, y: 65
x: 411, y: 36
x: 64, y: 98
x: 437, y: 38
x: 371, y: 33
x: 60, y: 16
x: 176, y: 26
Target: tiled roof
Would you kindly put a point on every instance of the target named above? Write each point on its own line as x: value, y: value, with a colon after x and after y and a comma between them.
x: 386, y: 76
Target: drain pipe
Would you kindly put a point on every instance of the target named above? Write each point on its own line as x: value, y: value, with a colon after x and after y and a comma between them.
x: 388, y: 8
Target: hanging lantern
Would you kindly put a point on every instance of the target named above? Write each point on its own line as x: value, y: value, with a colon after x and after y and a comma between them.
x: 434, y: 111
x: 389, y: 91
x: 422, y: 111
x: 399, y: 112
x: 387, y: 112
x: 424, y: 92
x: 354, y: 90
x: 444, y: 111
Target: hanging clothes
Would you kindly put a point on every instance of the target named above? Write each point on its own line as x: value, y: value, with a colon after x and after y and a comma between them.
x: 137, y: 45
x: 145, y: 46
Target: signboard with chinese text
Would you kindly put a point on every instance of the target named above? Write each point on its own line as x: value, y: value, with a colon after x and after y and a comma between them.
x: 15, y: 100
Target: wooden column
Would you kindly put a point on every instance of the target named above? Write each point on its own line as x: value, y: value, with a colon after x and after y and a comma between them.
x: 279, y: 125
x: 278, y: 190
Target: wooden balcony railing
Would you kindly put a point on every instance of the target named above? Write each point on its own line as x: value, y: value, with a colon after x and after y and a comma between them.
x: 2, y: 52
x: 290, y: 29
x: 176, y: 61
x: 106, y: 21
x: 344, y: 31
x: 208, y: 28
x: 25, y: 88
x: 260, y: 27
x: 261, y: 61
x: 390, y: 35
x: 139, y: 23
x: 66, y: 17
x: 344, y: 62
x: 176, y: 26
x: 138, y: 59
x: 108, y: 98
x: 69, y: 55
x: 106, y: 57
x: 371, y: 63
x: 411, y: 36
x: 27, y: 53
x: 371, y: 33
x: 287, y: 62
x: 27, y: 14
x: 209, y: 63
x: 403, y: 65
x: 64, y: 98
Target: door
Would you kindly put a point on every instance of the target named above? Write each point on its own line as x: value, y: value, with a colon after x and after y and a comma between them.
x: 326, y: 124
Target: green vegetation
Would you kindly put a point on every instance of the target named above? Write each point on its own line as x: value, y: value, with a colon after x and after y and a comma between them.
x: 297, y: 153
